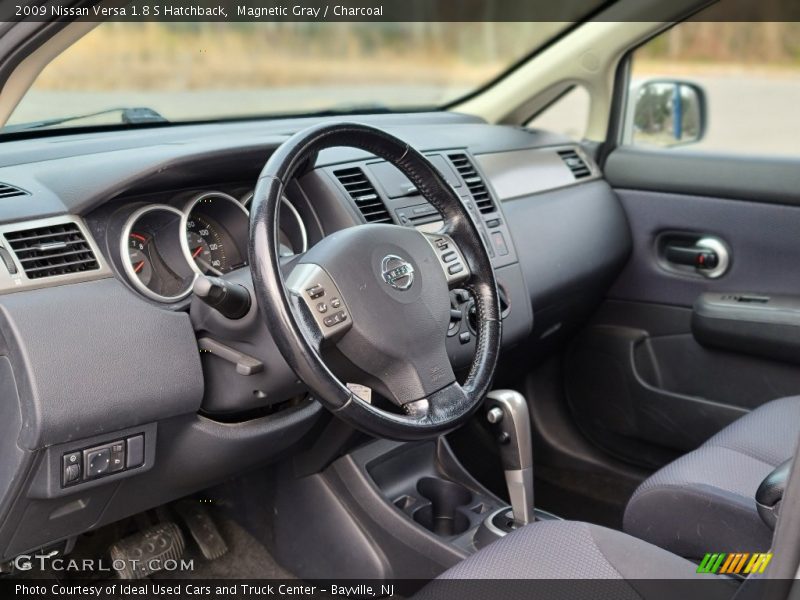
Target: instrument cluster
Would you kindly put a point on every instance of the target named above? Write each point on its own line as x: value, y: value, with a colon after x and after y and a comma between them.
x: 163, y: 249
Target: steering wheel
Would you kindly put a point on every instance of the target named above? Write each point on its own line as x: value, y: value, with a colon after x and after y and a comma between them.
x: 378, y: 294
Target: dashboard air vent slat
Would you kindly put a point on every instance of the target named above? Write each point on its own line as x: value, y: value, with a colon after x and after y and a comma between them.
x: 53, y: 250
x: 363, y: 194
x: 480, y: 193
x: 575, y: 163
x: 9, y: 191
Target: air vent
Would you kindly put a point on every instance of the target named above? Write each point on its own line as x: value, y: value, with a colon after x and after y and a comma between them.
x: 9, y: 191
x: 54, y: 250
x: 480, y: 194
x: 364, y: 194
x: 575, y: 163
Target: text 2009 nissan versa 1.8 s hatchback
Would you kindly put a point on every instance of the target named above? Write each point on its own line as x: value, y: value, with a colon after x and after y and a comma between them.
x: 402, y: 302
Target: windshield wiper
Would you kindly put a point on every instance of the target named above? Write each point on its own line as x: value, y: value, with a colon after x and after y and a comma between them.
x: 132, y: 116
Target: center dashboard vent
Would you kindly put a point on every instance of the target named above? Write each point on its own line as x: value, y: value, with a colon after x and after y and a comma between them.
x: 52, y: 250
x: 480, y: 194
x: 575, y: 163
x: 9, y: 191
x: 363, y: 194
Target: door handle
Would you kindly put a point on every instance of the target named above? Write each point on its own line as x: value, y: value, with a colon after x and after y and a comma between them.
x: 692, y: 256
x: 707, y: 256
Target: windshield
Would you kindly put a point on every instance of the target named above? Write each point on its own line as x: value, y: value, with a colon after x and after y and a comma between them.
x: 208, y: 71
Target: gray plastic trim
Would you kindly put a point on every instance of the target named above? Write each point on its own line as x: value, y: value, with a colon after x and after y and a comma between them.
x: 742, y: 177
x: 524, y: 172
x: 19, y: 281
x: 116, y: 361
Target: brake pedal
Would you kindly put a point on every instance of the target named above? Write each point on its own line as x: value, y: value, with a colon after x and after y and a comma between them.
x: 202, y: 528
x: 144, y: 553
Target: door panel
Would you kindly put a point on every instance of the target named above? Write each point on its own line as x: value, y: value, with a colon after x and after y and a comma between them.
x: 638, y: 381
x: 764, y: 242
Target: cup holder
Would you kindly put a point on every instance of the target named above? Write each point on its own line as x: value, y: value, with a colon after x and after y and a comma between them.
x: 441, y: 515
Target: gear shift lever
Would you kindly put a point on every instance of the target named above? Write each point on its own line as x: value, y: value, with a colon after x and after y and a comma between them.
x: 508, y: 412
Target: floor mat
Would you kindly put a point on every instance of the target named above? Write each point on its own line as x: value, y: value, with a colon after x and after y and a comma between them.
x: 246, y: 558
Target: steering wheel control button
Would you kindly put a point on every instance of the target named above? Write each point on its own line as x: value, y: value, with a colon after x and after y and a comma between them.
x: 97, y: 462
x: 464, y: 337
x: 397, y: 272
x: 450, y: 258
x: 335, y: 319
x: 455, y: 268
x: 135, y: 446
x: 316, y: 291
x: 310, y: 282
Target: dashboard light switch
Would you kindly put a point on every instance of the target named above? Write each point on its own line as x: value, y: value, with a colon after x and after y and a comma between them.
x: 72, y: 468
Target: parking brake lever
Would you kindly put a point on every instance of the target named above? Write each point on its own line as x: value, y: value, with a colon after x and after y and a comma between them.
x: 508, y: 413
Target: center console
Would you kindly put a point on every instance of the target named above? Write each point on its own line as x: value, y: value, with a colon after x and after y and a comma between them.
x: 393, y: 510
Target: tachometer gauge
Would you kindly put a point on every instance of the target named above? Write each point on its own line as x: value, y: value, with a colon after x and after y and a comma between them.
x: 139, y: 257
x: 151, y: 255
x: 215, y: 233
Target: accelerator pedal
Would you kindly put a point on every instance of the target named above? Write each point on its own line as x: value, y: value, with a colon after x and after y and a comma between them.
x: 202, y: 528
x: 144, y: 553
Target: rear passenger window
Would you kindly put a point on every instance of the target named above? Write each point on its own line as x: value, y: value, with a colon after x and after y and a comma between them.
x: 749, y: 74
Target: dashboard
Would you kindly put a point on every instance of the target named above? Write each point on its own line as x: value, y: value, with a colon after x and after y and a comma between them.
x: 102, y: 340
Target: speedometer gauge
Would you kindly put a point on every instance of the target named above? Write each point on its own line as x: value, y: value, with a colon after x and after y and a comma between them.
x: 206, y: 245
x: 215, y: 233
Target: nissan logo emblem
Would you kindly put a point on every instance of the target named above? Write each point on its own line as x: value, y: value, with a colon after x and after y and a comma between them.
x: 397, y: 272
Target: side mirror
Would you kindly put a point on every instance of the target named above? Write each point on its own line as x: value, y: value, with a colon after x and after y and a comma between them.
x: 666, y: 113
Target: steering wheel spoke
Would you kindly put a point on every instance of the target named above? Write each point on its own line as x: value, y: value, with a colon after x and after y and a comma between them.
x: 455, y: 267
x: 314, y: 288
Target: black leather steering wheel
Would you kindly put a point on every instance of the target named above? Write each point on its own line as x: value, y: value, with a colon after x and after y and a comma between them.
x: 377, y: 295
